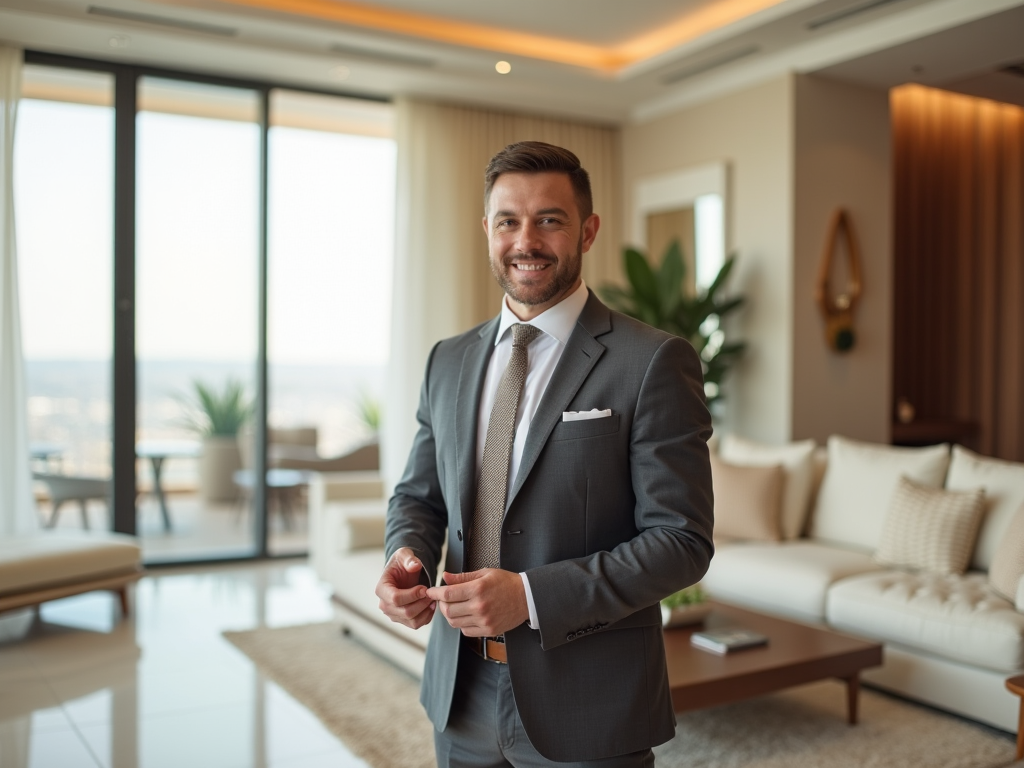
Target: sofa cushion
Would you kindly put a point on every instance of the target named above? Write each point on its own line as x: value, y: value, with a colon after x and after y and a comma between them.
x: 859, y: 483
x: 956, y: 617
x: 789, y: 578
x: 797, y: 460
x: 930, y: 528
x: 1003, y: 482
x: 747, y: 501
x: 32, y: 562
x: 1008, y: 562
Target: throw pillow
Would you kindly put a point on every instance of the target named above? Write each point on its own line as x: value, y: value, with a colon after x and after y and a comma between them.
x: 1003, y: 482
x: 930, y: 529
x: 747, y: 501
x: 797, y: 460
x: 1008, y: 561
x: 859, y: 483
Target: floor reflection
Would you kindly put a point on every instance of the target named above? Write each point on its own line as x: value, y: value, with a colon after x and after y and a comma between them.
x: 80, y: 687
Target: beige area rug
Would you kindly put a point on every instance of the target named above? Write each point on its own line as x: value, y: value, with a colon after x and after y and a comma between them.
x: 374, y: 708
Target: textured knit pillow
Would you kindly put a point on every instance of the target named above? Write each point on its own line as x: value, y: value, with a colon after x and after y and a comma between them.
x: 930, y: 529
x: 1008, y: 561
x: 748, y: 501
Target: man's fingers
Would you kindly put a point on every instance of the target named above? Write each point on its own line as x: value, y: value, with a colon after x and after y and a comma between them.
x: 402, y: 597
x: 462, y: 578
x: 451, y: 593
x: 420, y: 619
x: 415, y: 608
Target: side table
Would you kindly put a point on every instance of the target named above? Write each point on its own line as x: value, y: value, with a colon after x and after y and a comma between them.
x: 1016, y: 685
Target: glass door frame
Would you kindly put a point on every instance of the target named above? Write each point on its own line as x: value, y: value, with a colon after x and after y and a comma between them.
x: 124, y: 374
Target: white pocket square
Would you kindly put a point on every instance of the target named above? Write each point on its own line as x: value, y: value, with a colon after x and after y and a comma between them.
x: 584, y: 415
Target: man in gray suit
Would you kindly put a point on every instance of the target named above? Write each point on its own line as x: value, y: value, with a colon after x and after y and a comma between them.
x: 562, y: 452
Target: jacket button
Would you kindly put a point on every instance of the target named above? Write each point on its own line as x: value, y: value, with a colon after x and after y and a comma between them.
x: 459, y: 534
x: 570, y: 637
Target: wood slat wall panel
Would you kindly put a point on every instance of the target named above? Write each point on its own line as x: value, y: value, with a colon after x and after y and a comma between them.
x: 959, y: 263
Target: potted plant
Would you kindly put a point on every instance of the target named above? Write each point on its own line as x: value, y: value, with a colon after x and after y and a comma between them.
x: 656, y: 297
x: 687, y: 606
x: 217, y: 416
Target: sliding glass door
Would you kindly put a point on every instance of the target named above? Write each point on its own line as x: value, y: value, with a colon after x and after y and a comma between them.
x: 196, y: 320
x: 172, y: 229
x: 63, y: 188
x: 331, y: 214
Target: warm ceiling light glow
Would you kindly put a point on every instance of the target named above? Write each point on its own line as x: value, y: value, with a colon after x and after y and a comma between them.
x: 611, y: 59
x: 503, y: 67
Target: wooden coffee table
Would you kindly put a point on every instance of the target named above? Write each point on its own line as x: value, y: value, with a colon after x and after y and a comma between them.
x: 795, y: 654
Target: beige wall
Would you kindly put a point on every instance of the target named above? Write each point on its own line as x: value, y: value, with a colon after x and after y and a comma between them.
x: 842, y: 159
x: 752, y: 132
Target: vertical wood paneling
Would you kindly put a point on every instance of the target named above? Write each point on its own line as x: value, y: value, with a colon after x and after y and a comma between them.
x: 959, y: 263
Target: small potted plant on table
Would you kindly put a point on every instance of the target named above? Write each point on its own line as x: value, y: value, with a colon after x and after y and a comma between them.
x: 687, y: 606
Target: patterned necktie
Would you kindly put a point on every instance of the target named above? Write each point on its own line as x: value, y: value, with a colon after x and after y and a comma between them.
x: 492, y: 489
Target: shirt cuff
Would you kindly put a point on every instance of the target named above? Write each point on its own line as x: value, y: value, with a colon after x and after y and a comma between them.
x: 531, y: 606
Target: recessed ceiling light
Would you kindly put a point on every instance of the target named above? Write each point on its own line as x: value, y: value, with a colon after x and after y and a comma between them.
x: 119, y: 41
x: 341, y: 72
x: 503, y: 67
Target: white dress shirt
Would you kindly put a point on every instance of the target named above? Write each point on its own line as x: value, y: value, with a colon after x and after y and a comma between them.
x: 543, y: 355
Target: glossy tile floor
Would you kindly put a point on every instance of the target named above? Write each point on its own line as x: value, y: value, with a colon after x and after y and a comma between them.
x: 80, y: 688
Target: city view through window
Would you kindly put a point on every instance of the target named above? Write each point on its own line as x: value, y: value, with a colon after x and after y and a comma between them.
x: 330, y: 239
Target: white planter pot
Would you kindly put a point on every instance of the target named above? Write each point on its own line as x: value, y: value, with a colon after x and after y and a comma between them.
x: 217, y: 466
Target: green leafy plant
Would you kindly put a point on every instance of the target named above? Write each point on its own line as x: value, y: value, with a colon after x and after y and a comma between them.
x: 693, y: 595
x: 369, y: 410
x: 656, y: 296
x: 217, y: 413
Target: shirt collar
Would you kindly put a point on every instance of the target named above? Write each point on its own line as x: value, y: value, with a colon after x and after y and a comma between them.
x: 557, y: 321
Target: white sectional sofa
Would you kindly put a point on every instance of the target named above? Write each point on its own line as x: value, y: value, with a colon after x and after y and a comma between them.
x: 950, y: 640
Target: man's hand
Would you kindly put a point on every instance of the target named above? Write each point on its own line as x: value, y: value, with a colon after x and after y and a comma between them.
x: 482, y: 603
x: 402, y: 598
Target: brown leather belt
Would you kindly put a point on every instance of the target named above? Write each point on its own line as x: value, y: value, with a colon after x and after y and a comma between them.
x: 488, y: 649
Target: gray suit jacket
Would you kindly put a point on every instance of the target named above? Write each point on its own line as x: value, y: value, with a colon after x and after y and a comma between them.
x: 606, y: 516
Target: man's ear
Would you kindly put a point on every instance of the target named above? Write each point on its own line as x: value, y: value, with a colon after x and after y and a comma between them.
x: 487, y: 230
x: 590, y: 227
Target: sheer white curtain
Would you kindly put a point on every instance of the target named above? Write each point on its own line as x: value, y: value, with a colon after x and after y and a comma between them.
x: 16, y: 512
x: 442, y: 283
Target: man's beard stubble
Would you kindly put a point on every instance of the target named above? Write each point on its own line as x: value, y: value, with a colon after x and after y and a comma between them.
x: 566, y: 274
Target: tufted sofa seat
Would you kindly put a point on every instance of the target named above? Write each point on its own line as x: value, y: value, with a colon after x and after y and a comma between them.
x: 958, y: 617
x: 755, y: 575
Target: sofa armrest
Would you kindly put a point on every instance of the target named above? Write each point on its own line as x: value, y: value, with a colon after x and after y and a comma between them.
x: 1019, y: 602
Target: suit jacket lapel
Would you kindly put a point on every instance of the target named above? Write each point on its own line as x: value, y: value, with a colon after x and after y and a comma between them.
x: 581, y: 354
x: 467, y: 406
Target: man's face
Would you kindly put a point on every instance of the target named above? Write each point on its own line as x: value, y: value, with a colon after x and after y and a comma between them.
x: 536, y: 239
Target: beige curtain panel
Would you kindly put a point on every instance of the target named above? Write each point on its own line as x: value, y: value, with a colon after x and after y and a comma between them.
x: 442, y: 283
x: 17, y: 509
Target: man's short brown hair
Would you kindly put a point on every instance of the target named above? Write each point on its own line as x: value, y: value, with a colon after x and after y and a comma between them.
x: 538, y: 157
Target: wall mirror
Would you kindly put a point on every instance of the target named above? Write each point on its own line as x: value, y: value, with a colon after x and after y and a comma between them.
x: 688, y: 205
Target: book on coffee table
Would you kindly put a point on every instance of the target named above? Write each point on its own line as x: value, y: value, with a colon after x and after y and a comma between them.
x: 726, y: 640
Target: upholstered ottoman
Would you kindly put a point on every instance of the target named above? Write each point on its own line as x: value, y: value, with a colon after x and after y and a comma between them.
x: 47, y: 566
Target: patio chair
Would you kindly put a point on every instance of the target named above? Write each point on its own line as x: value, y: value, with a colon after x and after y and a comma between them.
x: 63, y: 488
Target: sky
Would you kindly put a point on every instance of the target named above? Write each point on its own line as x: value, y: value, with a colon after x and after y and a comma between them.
x: 330, y: 238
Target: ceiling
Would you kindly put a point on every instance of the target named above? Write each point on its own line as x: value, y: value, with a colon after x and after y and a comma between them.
x: 604, y: 60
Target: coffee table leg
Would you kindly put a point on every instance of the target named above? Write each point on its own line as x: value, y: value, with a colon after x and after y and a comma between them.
x: 852, y: 698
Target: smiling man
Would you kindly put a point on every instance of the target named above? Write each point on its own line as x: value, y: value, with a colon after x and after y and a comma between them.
x: 562, y: 454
